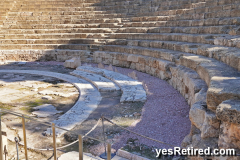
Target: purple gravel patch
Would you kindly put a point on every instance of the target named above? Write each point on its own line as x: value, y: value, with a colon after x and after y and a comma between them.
x: 164, y: 115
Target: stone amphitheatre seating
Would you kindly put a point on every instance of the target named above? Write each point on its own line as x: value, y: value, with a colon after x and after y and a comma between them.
x: 193, y: 44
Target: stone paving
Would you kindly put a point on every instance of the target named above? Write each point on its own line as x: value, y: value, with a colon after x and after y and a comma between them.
x: 87, y: 102
x: 132, y: 90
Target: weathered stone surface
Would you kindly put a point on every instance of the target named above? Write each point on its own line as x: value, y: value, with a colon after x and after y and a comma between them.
x: 198, y: 142
x: 186, y: 141
x: 187, y: 82
x: 197, y: 114
x: 102, y: 83
x: 201, y: 95
x: 229, y: 136
x: 221, y: 89
x: 45, y: 110
x: 210, y: 127
x: 204, y: 120
x: 133, y: 58
x: 132, y: 90
x: 215, y: 69
x: 72, y: 63
x: 229, y: 111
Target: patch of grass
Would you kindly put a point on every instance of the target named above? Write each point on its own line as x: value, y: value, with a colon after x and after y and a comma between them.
x: 31, y: 104
x: 36, y: 102
x: 27, y: 109
x: 5, y: 106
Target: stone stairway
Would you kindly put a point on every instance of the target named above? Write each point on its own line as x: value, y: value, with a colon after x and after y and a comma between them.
x: 192, y: 44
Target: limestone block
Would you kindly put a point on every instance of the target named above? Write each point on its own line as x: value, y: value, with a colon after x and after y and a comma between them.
x: 132, y: 58
x: 201, y: 95
x: 204, y: 120
x: 198, y: 142
x: 210, y: 127
x: 208, y: 70
x: 229, y: 136
x: 197, y: 114
x: 72, y: 63
x: 221, y: 89
x: 193, y: 61
x: 115, y: 62
x: 186, y: 141
x: 229, y: 111
x: 140, y: 67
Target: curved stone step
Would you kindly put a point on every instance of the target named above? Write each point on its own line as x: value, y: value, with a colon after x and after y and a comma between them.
x: 228, y: 55
x: 103, y: 84
x: 86, y: 103
x: 132, y: 90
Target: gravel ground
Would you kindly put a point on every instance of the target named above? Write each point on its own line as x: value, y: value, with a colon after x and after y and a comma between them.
x: 164, y: 115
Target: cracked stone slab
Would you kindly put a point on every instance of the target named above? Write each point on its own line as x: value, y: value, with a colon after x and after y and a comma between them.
x: 45, y: 110
x: 102, y: 83
x: 86, y: 103
x: 132, y: 90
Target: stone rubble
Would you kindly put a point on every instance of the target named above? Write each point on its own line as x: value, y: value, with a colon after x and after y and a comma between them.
x: 72, y: 63
x: 132, y: 90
